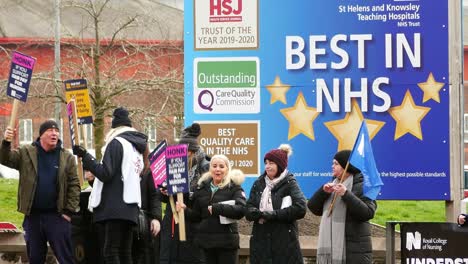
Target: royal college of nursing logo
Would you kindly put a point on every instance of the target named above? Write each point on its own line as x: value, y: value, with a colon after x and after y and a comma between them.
x: 413, y: 240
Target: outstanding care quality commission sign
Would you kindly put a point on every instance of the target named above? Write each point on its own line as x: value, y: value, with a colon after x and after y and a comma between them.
x: 314, y: 71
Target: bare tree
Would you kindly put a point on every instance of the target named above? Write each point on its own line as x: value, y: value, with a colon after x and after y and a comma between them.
x: 121, y: 68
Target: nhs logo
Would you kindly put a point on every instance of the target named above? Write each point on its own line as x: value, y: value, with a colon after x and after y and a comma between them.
x: 413, y: 240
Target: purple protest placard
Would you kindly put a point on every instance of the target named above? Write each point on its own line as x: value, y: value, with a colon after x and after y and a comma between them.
x: 20, y: 76
x: 158, y: 164
x: 176, y: 166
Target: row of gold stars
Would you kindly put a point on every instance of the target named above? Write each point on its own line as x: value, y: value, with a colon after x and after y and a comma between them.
x: 408, y: 115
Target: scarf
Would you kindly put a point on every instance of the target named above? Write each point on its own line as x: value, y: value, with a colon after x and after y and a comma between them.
x: 265, y: 201
x: 95, y: 196
x: 112, y: 134
x: 331, y: 248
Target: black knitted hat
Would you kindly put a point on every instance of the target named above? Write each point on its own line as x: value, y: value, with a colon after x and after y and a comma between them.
x: 46, y: 125
x: 190, y: 137
x: 342, y: 158
x: 120, y: 118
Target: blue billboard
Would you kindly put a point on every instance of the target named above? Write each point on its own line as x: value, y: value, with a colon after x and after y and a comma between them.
x: 307, y: 73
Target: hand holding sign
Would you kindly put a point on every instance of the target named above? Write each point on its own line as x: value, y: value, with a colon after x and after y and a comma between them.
x: 8, y: 135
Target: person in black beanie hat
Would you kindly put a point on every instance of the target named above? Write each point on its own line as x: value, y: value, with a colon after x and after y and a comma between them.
x: 46, y: 125
x: 342, y: 158
x: 190, y: 137
x: 48, y: 191
x: 275, y: 204
x: 172, y: 250
x: 120, y: 118
x: 116, y: 195
x: 350, y: 241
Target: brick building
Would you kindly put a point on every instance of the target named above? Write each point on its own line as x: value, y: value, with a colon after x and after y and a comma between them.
x: 158, y: 24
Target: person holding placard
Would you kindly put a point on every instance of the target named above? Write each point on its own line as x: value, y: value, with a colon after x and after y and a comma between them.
x: 146, y: 240
x: 344, y: 234
x: 172, y: 250
x: 275, y: 204
x: 115, y: 197
x: 217, y: 203
x: 48, y: 192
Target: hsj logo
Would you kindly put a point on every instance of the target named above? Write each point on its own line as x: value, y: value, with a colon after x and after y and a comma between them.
x: 413, y: 241
x: 225, y: 10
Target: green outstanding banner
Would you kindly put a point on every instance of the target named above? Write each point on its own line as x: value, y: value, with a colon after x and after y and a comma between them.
x: 307, y: 73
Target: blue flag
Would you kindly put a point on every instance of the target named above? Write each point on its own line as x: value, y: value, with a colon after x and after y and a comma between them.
x: 362, y: 158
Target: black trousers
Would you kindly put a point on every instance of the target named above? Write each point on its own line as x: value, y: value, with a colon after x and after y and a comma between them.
x: 221, y: 255
x: 118, y: 238
x: 145, y: 248
x: 40, y: 228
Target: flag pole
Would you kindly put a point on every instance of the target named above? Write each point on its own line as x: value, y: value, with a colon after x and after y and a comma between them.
x: 330, y: 208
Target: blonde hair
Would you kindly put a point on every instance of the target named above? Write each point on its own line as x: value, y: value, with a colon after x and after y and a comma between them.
x: 237, y: 176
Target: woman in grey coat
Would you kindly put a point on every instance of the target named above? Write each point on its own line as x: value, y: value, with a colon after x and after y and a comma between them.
x: 344, y: 235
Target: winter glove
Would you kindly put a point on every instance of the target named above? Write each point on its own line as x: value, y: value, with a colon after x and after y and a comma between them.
x: 79, y: 151
x: 253, y: 214
x: 269, y: 215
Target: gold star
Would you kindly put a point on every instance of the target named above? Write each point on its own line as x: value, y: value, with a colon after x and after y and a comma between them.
x: 346, y: 130
x: 278, y: 91
x: 408, y: 117
x: 300, y: 118
x: 431, y: 89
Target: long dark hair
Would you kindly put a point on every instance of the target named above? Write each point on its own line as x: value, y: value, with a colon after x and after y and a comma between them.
x: 146, y: 162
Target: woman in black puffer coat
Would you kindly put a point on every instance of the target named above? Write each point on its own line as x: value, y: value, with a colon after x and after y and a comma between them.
x: 352, y: 208
x: 219, y: 195
x: 172, y: 250
x: 275, y: 203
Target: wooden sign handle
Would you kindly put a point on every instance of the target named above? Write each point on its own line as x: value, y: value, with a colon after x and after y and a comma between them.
x: 14, y: 113
x: 175, y: 215
x: 77, y: 140
x: 182, y: 237
x: 342, y: 179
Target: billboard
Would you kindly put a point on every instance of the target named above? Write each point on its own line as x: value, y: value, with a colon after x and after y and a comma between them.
x: 310, y: 72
